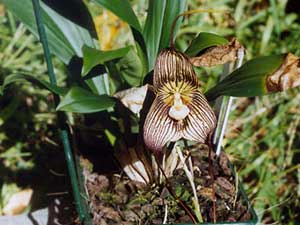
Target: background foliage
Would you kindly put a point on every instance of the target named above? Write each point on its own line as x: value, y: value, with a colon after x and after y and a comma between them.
x: 263, y: 135
x: 28, y: 133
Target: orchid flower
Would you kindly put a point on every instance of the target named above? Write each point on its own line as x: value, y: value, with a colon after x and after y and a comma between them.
x: 179, y: 109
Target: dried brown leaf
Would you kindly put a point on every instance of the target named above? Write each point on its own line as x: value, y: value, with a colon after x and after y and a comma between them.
x: 133, y: 98
x: 218, y: 55
x: 287, y: 76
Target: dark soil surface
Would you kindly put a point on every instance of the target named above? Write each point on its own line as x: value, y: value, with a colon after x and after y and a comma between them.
x: 114, y: 199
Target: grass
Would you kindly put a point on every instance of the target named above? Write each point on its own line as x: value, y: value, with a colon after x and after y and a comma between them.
x: 262, y: 137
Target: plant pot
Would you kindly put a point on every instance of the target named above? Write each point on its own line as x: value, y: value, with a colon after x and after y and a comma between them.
x: 253, y: 220
x: 244, y: 199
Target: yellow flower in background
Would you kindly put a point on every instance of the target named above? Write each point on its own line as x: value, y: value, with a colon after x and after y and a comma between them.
x: 109, y: 27
x: 2, y: 10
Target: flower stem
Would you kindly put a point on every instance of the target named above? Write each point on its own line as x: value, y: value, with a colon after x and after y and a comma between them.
x: 190, y: 177
x: 189, y: 12
x: 168, y: 186
x: 211, y: 174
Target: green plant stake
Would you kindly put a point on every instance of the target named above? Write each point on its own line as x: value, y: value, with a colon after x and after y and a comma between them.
x: 83, y: 214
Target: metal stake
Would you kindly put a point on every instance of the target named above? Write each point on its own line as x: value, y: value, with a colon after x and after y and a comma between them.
x: 225, y: 107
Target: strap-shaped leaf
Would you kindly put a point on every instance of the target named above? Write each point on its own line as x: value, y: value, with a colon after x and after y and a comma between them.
x: 173, y: 9
x: 76, y: 35
x: 144, y: 61
x: 58, y: 43
x: 13, y: 78
x: 123, y: 10
x: 93, y: 57
x: 65, y: 36
x: 79, y: 100
x: 248, y: 80
x: 67, y: 28
x: 153, y: 29
x: 204, y: 40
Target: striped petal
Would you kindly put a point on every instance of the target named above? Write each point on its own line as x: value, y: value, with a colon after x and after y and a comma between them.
x: 179, y: 109
x: 173, y: 67
x: 159, y: 128
x: 201, y: 120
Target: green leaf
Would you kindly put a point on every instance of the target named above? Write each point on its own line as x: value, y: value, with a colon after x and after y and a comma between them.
x: 76, y: 35
x: 13, y: 78
x: 249, y: 80
x: 173, y: 9
x: 153, y: 29
x: 64, y: 36
x: 99, y: 84
x: 131, y: 69
x: 123, y: 10
x: 79, y: 100
x: 93, y: 57
x: 128, y: 71
x: 114, y: 77
x: 143, y: 60
x: 204, y: 40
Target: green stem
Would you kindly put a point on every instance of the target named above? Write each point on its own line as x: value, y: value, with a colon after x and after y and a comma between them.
x: 190, y: 176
